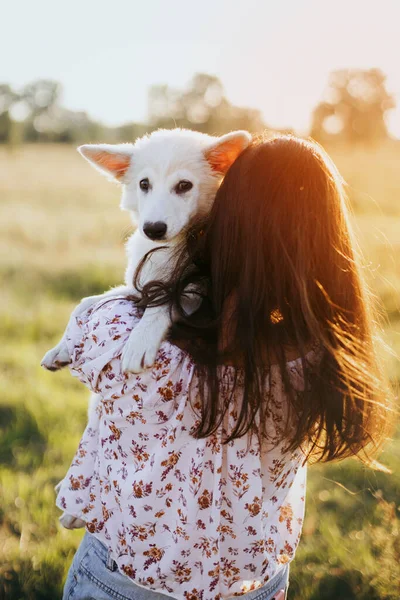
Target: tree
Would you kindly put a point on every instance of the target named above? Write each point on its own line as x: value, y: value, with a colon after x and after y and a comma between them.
x: 42, y: 100
x: 355, y: 109
x: 7, y: 99
x: 202, y: 106
x: 41, y: 95
x: 21, y: 111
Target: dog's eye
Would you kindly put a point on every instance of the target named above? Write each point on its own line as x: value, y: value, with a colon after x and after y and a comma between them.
x: 183, y: 186
x: 144, y: 185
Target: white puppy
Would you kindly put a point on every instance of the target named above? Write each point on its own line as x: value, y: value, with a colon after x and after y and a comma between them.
x: 168, y: 178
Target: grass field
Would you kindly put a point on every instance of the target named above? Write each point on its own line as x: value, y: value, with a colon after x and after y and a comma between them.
x: 61, y: 237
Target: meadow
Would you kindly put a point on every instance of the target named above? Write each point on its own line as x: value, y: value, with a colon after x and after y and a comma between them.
x: 62, y: 237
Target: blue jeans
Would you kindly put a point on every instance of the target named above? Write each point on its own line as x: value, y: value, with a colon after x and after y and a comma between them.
x: 93, y: 575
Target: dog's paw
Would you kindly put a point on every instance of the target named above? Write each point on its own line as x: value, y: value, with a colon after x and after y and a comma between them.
x: 56, y: 358
x: 139, y: 353
x: 71, y: 522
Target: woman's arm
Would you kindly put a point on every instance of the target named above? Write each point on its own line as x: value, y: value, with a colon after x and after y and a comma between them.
x: 96, y: 337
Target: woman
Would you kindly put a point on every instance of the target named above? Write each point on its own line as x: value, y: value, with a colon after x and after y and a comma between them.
x: 193, y: 485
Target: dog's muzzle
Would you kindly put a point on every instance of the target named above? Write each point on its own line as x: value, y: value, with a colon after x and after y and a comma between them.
x: 155, y: 231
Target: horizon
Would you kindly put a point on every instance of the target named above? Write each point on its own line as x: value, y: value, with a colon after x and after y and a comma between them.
x: 275, y: 58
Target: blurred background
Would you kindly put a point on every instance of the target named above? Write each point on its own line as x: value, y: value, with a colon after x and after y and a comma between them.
x: 94, y: 71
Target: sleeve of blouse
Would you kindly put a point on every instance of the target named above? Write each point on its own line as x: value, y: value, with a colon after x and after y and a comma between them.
x: 97, y: 337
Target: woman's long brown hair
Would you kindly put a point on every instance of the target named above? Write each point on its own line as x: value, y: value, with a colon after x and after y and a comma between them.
x: 278, y: 249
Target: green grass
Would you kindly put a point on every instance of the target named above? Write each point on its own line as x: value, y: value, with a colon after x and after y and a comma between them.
x: 61, y: 238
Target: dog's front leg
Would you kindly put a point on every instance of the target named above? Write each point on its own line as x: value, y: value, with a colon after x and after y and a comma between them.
x: 58, y: 357
x: 144, y: 341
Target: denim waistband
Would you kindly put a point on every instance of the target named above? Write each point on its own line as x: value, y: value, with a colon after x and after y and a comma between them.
x: 273, y: 585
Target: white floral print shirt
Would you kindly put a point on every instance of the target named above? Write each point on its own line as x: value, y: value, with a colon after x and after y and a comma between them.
x: 193, y: 519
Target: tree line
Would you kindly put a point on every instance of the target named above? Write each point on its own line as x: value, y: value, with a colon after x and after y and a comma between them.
x: 354, y: 110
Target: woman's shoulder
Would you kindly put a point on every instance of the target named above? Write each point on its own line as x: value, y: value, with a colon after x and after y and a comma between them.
x: 99, y: 333
x: 96, y: 340
x: 115, y: 307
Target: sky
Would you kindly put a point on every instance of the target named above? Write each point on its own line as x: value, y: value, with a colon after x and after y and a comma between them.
x: 274, y: 55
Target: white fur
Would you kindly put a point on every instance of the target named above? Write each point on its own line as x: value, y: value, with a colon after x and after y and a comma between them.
x: 165, y: 157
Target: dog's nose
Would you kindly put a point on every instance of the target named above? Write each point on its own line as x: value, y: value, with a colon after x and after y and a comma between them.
x: 155, y: 231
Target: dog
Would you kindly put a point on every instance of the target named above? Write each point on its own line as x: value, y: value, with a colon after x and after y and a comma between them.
x: 168, y: 177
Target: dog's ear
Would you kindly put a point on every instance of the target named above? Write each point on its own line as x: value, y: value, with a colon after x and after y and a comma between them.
x: 225, y: 150
x: 112, y: 160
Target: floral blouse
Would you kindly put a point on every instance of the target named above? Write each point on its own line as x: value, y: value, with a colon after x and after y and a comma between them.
x: 190, y: 518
